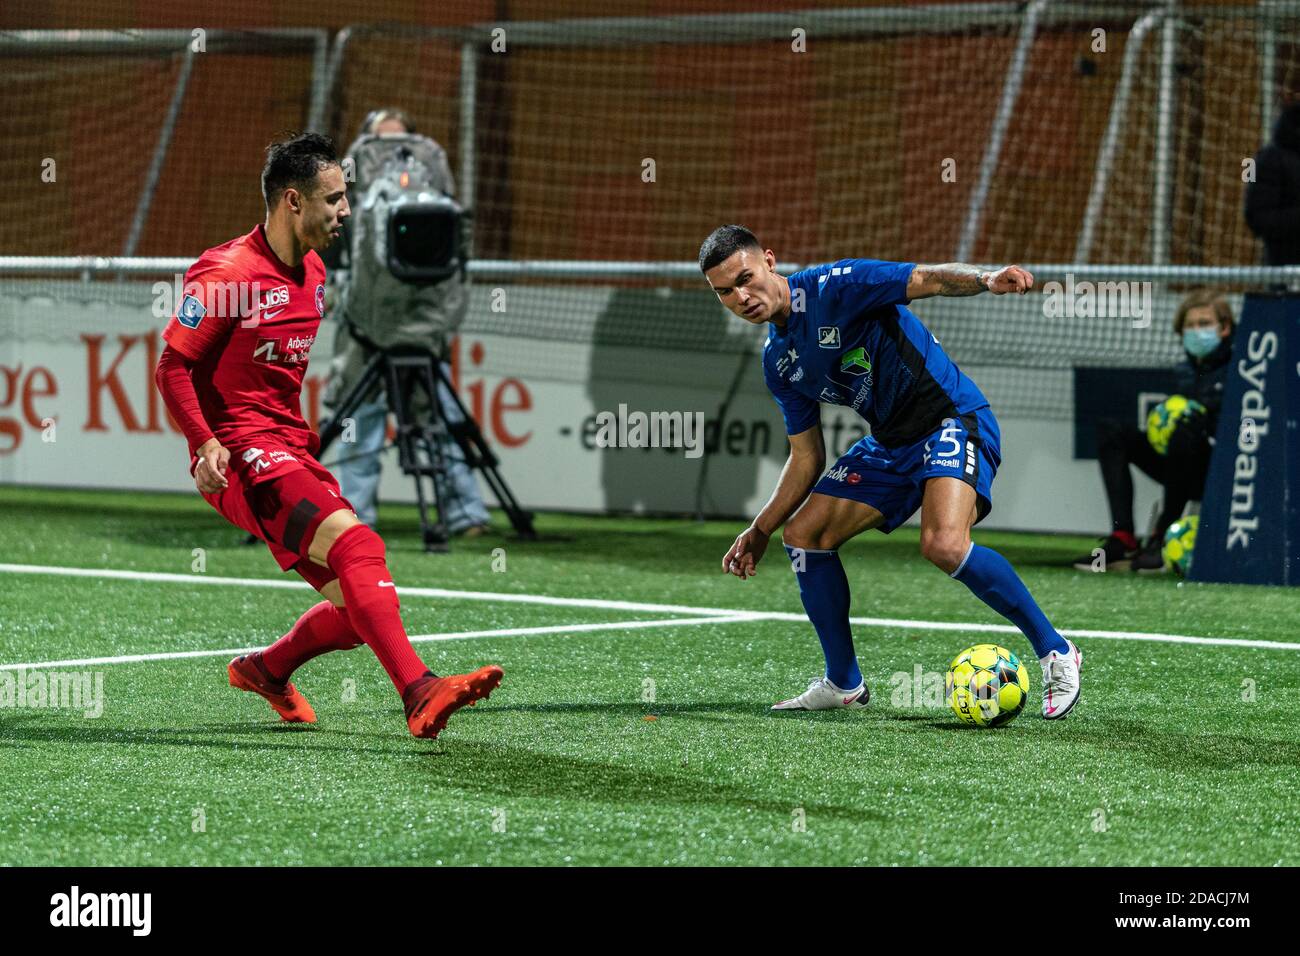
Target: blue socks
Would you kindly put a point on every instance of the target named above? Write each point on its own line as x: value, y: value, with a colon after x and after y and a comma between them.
x: 824, y: 589
x: 825, y: 593
x: 993, y: 580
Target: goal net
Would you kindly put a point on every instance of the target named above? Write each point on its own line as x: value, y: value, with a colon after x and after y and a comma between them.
x: 1106, y: 145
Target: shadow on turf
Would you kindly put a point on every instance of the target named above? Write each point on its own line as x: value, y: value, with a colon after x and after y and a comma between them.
x: 497, y: 770
x: 14, y: 734
x: 741, y: 708
x: 1173, y: 751
x: 604, y: 708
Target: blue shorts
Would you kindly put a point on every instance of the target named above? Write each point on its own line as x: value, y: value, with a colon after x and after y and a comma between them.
x: 892, y: 480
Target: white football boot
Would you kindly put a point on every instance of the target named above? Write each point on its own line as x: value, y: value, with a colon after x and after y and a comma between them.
x: 1061, y: 681
x: 823, y: 695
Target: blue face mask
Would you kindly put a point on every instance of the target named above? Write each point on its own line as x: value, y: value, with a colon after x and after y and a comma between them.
x: 1200, y: 342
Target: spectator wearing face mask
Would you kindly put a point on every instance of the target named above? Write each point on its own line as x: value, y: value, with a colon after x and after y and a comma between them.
x: 1204, y: 323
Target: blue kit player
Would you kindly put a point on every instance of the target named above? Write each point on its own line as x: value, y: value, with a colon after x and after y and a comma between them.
x: 841, y: 334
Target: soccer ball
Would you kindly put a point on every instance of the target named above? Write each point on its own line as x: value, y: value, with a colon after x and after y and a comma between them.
x: 986, y: 685
x: 1166, y: 417
x: 1180, y: 539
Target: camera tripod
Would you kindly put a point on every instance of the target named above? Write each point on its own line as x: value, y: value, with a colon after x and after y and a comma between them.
x: 420, y: 444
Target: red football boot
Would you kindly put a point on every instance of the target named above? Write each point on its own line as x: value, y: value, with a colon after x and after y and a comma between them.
x: 283, y: 698
x: 431, y: 700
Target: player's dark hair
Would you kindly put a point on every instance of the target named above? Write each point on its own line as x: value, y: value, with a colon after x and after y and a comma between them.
x: 294, y: 162
x: 723, y: 243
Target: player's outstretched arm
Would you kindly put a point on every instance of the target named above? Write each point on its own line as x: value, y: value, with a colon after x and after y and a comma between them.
x: 958, y: 278
x: 801, y: 471
x: 172, y: 377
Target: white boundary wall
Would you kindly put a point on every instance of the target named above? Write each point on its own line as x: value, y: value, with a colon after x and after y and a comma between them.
x: 86, y: 364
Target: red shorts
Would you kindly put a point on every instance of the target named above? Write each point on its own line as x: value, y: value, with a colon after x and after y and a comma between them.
x: 281, y: 496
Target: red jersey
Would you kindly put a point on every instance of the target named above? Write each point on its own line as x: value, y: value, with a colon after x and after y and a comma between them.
x: 247, y: 322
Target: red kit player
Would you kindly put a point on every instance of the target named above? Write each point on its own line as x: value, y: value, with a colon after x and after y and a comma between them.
x: 231, y: 375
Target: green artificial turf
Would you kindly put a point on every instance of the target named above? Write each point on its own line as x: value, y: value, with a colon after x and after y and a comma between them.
x: 1177, y: 754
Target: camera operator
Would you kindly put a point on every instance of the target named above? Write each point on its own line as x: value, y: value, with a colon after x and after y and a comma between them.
x: 363, y: 293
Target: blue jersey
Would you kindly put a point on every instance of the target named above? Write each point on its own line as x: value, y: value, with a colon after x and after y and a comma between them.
x: 850, y: 340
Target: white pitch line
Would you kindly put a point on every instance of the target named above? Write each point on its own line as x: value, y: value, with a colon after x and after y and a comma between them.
x: 415, y: 639
x: 292, y: 583
x: 128, y: 659
x: 1183, y: 639
x: 602, y: 604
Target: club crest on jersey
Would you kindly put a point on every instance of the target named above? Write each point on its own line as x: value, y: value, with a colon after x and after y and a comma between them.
x: 857, y: 362
x: 320, y: 301
x: 828, y: 336
x: 191, y: 312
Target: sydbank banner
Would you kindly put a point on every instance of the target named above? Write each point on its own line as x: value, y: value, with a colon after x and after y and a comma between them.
x: 1250, y: 519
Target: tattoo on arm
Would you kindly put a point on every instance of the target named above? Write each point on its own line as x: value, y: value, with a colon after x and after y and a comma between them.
x: 953, y: 278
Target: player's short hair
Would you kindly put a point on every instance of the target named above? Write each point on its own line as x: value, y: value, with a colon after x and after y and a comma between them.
x: 723, y: 243
x: 1200, y: 298
x: 294, y: 162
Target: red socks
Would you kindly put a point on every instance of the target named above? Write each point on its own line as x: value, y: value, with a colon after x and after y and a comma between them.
x: 357, y: 557
x: 323, y: 628
x: 371, y: 616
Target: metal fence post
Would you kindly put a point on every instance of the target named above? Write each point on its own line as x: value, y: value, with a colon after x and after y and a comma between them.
x: 159, y: 153
x: 468, y: 103
x: 1114, y: 127
x: 1163, y: 204
x: 1001, y: 121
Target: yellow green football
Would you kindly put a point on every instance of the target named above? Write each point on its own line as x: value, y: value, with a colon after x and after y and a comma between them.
x: 1180, y: 539
x: 1166, y: 417
x: 987, y: 685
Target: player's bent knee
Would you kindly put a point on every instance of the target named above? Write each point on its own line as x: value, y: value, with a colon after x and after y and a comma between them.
x: 802, y: 535
x: 792, y: 538
x: 945, y: 549
x: 328, y: 532
x: 358, y: 558
x: 356, y: 544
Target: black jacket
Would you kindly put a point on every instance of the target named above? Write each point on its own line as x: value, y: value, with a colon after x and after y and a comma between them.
x: 1273, y: 199
x: 1204, y: 380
